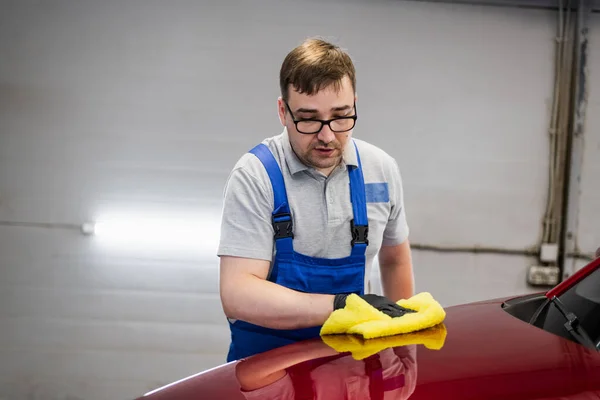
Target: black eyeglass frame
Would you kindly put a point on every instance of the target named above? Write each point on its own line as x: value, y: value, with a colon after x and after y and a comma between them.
x: 323, y: 121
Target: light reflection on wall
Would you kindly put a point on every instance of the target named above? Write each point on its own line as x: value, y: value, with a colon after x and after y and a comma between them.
x: 186, y: 234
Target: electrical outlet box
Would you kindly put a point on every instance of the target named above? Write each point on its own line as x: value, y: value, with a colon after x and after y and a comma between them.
x: 543, y: 275
x: 549, y: 252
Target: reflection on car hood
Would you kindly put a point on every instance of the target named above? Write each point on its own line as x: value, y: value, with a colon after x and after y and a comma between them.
x: 487, y: 354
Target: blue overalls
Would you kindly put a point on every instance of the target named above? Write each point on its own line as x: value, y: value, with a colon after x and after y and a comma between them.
x: 300, y: 272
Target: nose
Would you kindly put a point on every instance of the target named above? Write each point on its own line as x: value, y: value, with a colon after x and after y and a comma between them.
x: 326, y: 135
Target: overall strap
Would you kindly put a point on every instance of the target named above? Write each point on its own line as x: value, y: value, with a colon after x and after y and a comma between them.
x: 374, y: 370
x: 360, y: 224
x: 281, y: 217
x: 377, y: 384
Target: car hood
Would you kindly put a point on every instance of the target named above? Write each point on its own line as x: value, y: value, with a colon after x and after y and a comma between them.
x: 491, y: 354
x: 487, y: 354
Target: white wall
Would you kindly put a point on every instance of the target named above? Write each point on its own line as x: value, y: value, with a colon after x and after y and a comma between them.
x: 144, y: 107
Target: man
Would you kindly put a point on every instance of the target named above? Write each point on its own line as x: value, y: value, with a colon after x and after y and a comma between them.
x: 306, y: 212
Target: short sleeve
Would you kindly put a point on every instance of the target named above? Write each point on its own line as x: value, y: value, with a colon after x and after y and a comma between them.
x: 246, y: 229
x: 396, y: 230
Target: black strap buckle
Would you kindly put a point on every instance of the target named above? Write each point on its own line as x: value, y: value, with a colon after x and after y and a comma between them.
x: 360, y: 233
x: 283, y: 229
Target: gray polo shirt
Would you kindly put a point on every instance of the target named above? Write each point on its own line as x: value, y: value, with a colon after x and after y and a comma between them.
x: 320, y: 206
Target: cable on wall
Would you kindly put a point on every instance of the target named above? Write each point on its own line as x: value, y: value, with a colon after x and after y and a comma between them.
x: 561, y: 130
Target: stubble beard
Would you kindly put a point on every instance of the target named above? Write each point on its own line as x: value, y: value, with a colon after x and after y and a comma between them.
x: 312, y: 158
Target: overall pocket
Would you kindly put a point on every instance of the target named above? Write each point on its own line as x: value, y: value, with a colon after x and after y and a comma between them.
x: 324, y: 276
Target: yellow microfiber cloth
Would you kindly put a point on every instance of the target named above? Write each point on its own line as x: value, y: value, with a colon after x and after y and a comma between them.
x: 360, y: 318
x: 432, y: 338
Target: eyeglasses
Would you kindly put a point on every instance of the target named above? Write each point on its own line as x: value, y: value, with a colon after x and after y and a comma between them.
x: 312, y: 125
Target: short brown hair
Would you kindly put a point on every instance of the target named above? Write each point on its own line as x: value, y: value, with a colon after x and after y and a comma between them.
x: 314, y: 65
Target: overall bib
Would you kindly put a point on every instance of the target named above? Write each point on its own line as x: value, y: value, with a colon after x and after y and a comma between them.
x: 300, y: 272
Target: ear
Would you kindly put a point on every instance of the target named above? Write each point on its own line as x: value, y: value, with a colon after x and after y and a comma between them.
x: 281, y: 110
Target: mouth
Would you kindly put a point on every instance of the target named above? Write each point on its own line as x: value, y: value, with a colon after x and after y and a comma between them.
x: 324, y: 152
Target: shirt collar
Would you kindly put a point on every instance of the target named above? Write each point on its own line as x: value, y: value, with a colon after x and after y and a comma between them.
x: 295, y: 165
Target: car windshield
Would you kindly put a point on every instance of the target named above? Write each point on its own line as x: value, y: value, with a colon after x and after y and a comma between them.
x: 583, y: 299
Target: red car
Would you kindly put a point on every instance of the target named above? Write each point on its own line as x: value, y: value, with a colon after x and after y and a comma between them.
x: 542, y: 346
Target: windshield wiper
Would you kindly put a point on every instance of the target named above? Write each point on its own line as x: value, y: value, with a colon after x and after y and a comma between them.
x: 572, y: 325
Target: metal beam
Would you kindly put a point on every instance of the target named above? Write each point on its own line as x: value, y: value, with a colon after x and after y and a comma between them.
x: 593, y: 5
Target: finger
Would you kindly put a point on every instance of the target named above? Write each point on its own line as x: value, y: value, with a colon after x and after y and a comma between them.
x: 392, y: 311
x: 404, y: 309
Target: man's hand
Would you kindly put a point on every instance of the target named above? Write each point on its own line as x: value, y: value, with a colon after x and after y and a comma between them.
x: 381, y: 303
x: 248, y: 296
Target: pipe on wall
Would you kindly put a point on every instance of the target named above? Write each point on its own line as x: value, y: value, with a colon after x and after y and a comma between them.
x: 525, y: 252
x: 575, y: 142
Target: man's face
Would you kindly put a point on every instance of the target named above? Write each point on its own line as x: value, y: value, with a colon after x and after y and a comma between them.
x: 322, y: 150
